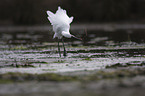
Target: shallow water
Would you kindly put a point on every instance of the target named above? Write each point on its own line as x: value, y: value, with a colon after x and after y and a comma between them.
x: 36, y: 52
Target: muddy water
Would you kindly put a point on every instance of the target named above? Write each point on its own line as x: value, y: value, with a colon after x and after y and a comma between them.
x: 104, y: 63
x: 36, y: 52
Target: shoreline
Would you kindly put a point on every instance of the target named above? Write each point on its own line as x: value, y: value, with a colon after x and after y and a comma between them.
x: 85, y: 26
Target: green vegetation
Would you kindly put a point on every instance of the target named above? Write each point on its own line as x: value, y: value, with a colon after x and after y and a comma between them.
x: 19, y: 48
x: 59, y: 61
x: 49, y: 69
x: 99, y: 75
x: 87, y: 59
x: 39, y: 62
x: 18, y: 66
x: 126, y: 65
x: 22, y: 77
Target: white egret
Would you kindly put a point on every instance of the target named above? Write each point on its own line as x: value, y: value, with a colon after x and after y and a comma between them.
x: 61, y: 26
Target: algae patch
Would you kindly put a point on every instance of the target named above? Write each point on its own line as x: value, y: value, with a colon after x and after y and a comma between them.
x: 18, y: 66
x: 59, y: 61
x: 134, y: 63
x: 23, y: 77
x: 87, y: 59
x: 39, y: 62
x: 49, y: 69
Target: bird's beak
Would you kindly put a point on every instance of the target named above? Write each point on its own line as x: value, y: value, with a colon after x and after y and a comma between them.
x: 76, y: 37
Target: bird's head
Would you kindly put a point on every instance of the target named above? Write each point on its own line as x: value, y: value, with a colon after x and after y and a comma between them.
x: 66, y: 34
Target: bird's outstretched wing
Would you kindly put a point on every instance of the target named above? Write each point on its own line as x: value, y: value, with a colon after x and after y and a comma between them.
x: 60, y: 17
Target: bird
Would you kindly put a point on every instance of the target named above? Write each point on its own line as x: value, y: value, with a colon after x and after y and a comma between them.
x: 60, y: 22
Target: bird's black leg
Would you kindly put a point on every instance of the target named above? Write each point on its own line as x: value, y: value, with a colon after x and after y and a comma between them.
x: 59, y: 49
x: 64, y: 52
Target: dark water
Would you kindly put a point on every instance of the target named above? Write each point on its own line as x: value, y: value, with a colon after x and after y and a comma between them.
x: 99, y: 38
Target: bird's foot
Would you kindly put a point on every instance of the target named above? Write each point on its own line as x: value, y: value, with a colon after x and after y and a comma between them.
x: 64, y: 53
x: 59, y: 55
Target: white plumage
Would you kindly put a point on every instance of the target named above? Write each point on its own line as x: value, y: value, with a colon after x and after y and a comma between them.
x: 60, y: 22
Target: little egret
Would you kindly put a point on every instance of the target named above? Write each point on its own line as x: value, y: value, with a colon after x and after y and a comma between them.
x: 61, y: 26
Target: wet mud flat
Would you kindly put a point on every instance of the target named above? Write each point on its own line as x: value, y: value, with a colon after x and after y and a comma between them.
x: 105, y: 63
x: 128, y: 82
